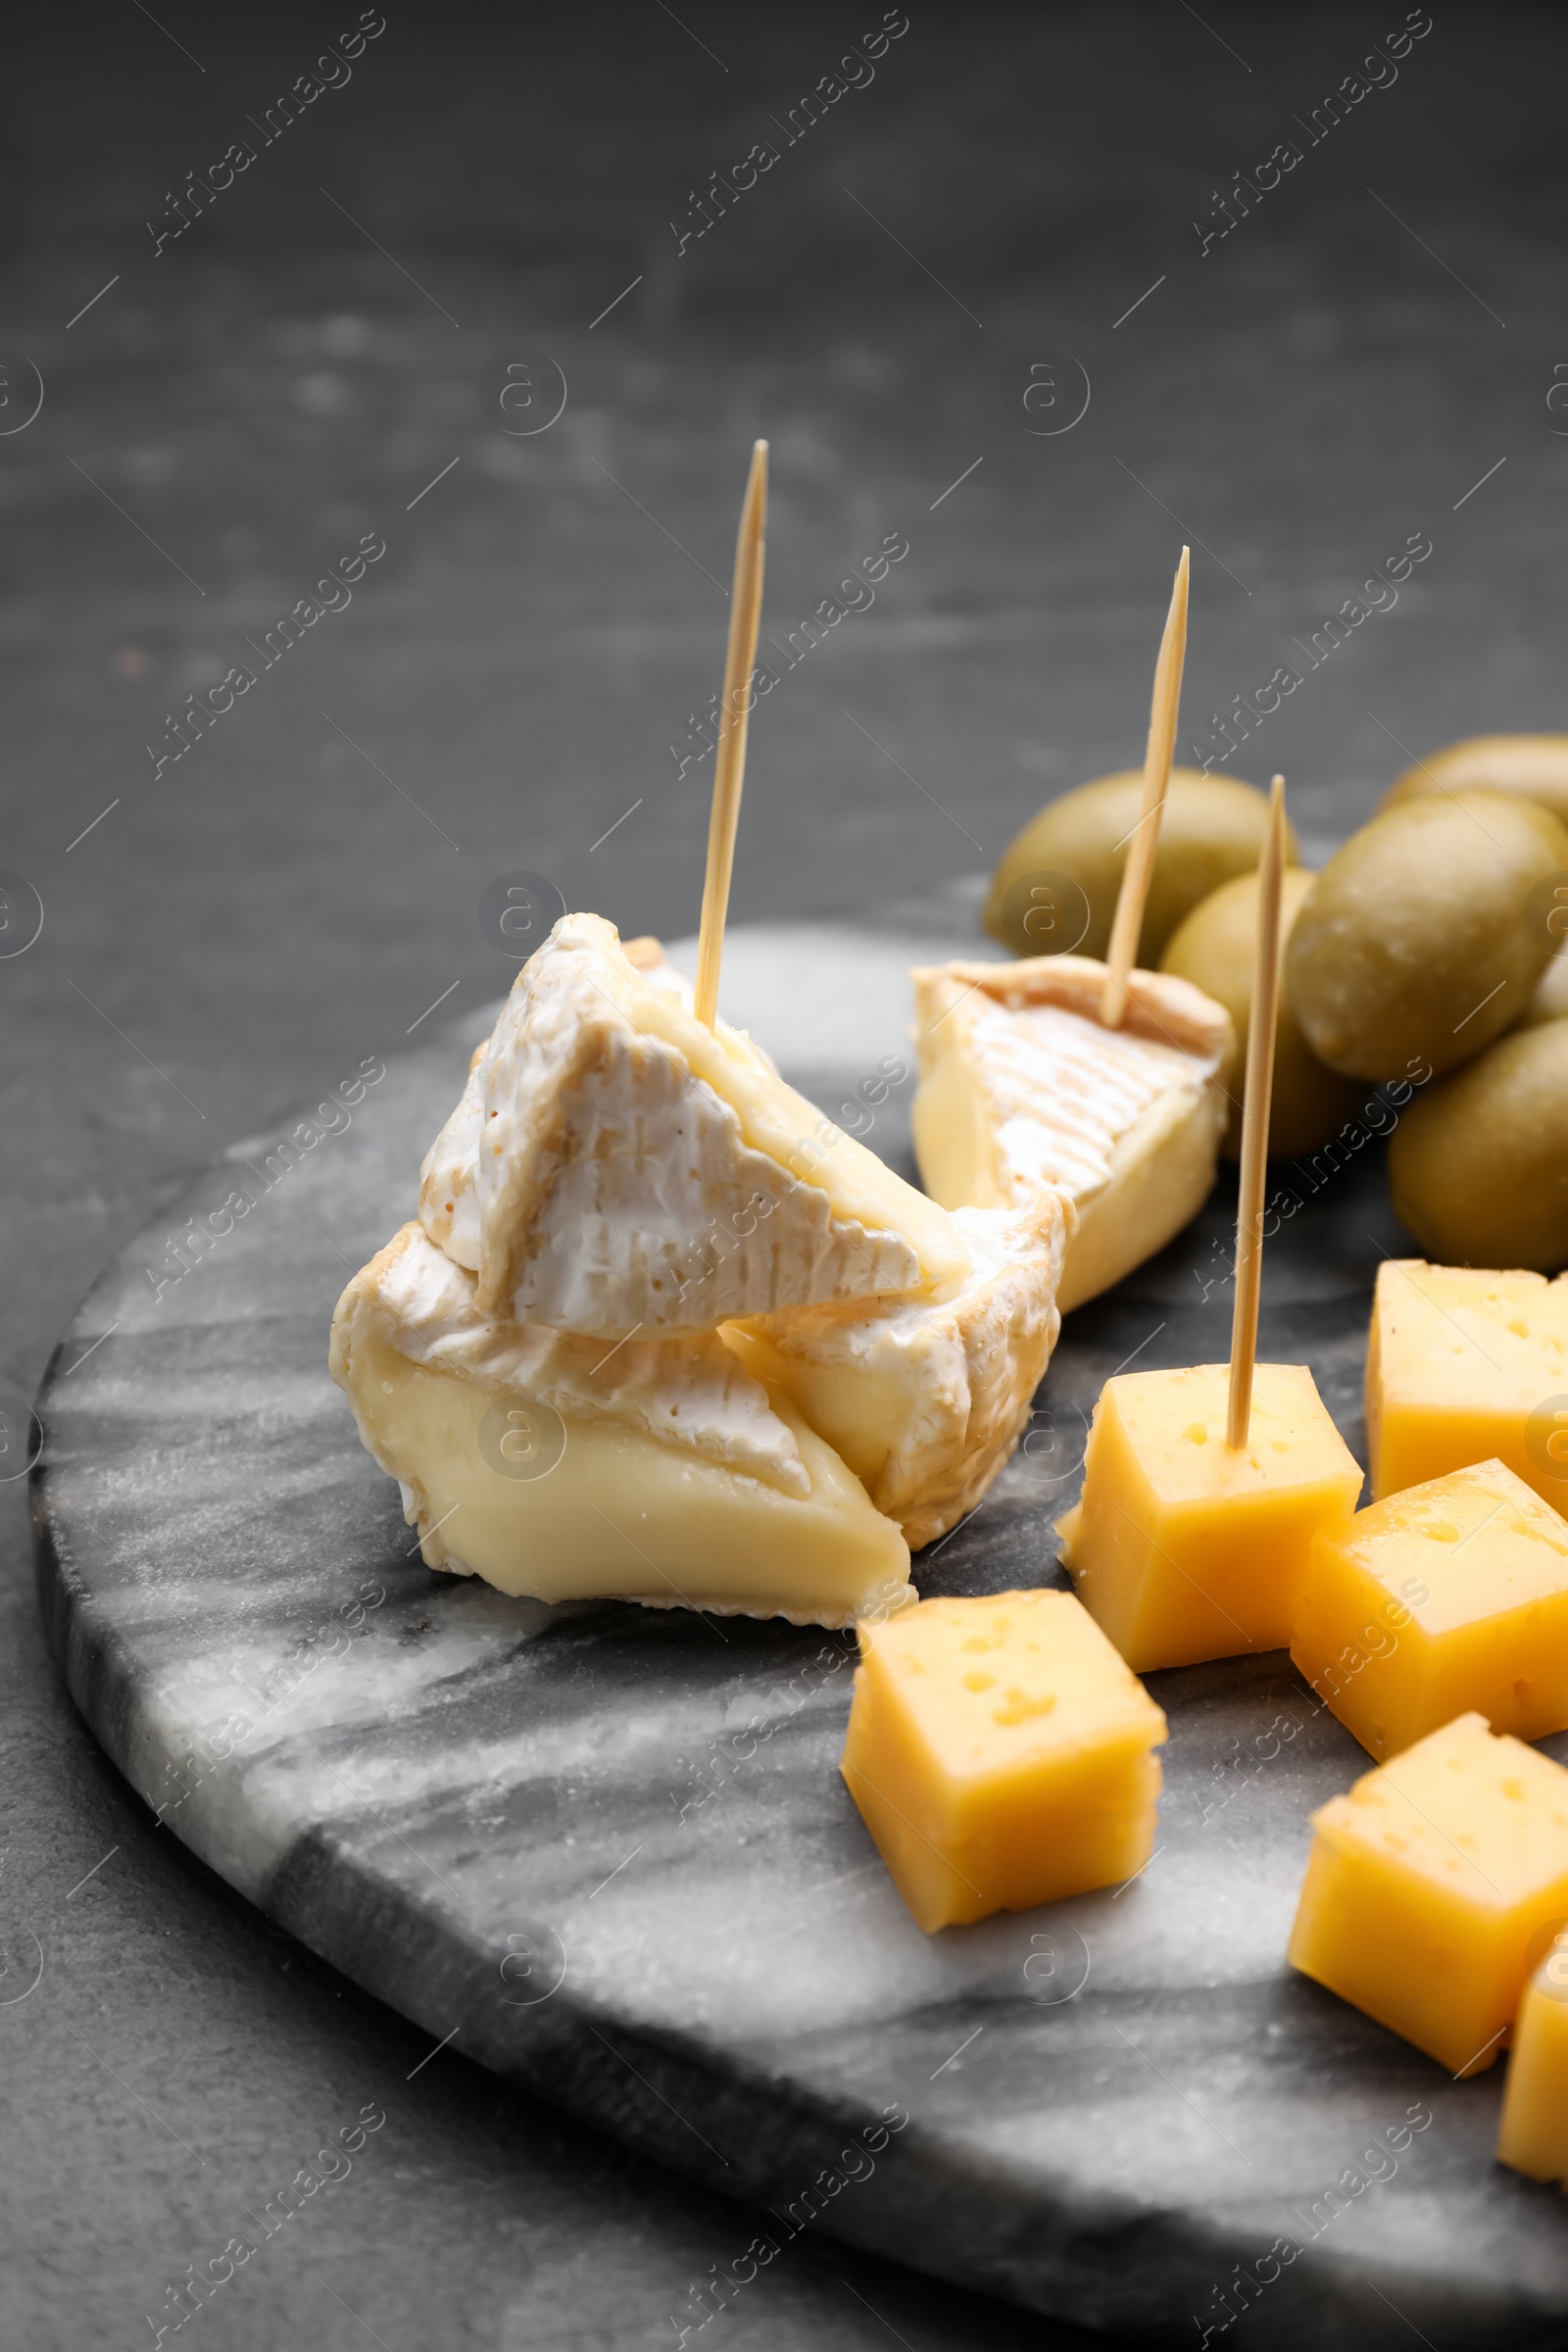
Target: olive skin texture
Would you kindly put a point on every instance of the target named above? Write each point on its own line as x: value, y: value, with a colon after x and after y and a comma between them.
x: 1414, y: 944
x: 1551, y: 999
x: 1216, y: 948
x: 1479, y: 1166
x: 1535, y: 767
x: 1212, y: 828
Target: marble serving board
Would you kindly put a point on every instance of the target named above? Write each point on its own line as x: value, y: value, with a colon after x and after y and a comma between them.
x: 608, y: 1850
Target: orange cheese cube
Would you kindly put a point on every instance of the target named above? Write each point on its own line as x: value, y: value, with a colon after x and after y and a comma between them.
x: 1000, y: 1754
x: 1442, y: 1598
x: 1467, y: 1366
x: 1183, y: 1550
x: 1431, y: 1886
x: 1533, y: 2136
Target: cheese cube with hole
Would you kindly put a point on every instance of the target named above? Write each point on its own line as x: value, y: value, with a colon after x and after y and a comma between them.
x: 1183, y: 1550
x: 1463, y: 1365
x: 1533, y: 2136
x: 1434, y: 1884
x: 1001, y: 1754
x: 1442, y: 1598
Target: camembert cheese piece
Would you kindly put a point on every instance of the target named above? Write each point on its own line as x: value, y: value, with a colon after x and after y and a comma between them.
x: 613, y: 1165
x: 1463, y: 1366
x: 1183, y: 1550
x: 926, y: 1402
x: 1533, y: 2136
x: 1442, y: 1598
x: 1434, y: 1884
x: 1001, y: 1755
x: 1021, y: 1085
x: 658, y: 1471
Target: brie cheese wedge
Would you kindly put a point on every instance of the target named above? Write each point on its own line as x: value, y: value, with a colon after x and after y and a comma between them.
x: 449, y: 1202
x: 659, y: 1471
x: 926, y: 1402
x: 615, y: 1165
x: 1021, y: 1086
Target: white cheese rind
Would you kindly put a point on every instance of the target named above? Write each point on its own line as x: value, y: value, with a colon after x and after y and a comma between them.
x: 689, y: 1392
x: 613, y: 1164
x: 661, y: 1214
x: 1064, y: 1090
x: 926, y: 1403
x: 449, y: 1200
x: 1022, y: 1085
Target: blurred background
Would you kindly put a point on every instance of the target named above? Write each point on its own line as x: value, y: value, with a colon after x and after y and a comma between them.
x: 250, y: 386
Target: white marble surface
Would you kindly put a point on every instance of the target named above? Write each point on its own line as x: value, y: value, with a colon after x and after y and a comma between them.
x: 422, y: 1775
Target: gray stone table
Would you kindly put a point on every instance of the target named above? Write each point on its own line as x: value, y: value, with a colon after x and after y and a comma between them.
x: 236, y: 935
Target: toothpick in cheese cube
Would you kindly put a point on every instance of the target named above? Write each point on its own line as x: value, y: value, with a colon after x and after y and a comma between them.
x: 1533, y: 2136
x: 1442, y: 1598
x: 1432, y: 1887
x: 1463, y: 1365
x: 1001, y: 1755
x: 1182, y: 1548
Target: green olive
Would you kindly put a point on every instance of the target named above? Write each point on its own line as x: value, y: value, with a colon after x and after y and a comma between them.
x: 1480, y: 1165
x: 1535, y: 767
x: 1215, y: 948
x: 1551, y: 999
x: 1212, y: 828
x: 1420, y: 941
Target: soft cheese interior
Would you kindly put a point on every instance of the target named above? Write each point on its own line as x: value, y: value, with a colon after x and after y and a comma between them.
x: 667, y: 1474
x: 1022, y: 1085
x: 925, y: 1403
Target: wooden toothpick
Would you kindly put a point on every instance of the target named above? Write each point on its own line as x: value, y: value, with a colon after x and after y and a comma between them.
x: 1139, y: 870
x: 729, y: 759
x: 1256, y: 1103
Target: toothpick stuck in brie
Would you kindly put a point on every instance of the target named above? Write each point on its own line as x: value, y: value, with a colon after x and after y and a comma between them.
x: 1021, y: 1085
x: 666, y: 1335
x: 614, y: 1164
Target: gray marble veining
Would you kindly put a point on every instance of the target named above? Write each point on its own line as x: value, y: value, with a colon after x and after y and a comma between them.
x: 608, y: 1849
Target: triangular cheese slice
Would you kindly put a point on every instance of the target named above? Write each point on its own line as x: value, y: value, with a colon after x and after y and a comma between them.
x: 1021, y: 1085
x: 613, y: 1165
x: 659, y: 1471
x: 926, y: 1402
x: 449, y: 1199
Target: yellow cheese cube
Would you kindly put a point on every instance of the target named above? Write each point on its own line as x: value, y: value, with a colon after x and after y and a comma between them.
x: 1445, y: 1597
x: 1533, y: 2136
x: 1183, y: 1550
x: 1467, y: 1366
x: 1431, y: 1886
x: 1000, y: 1754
